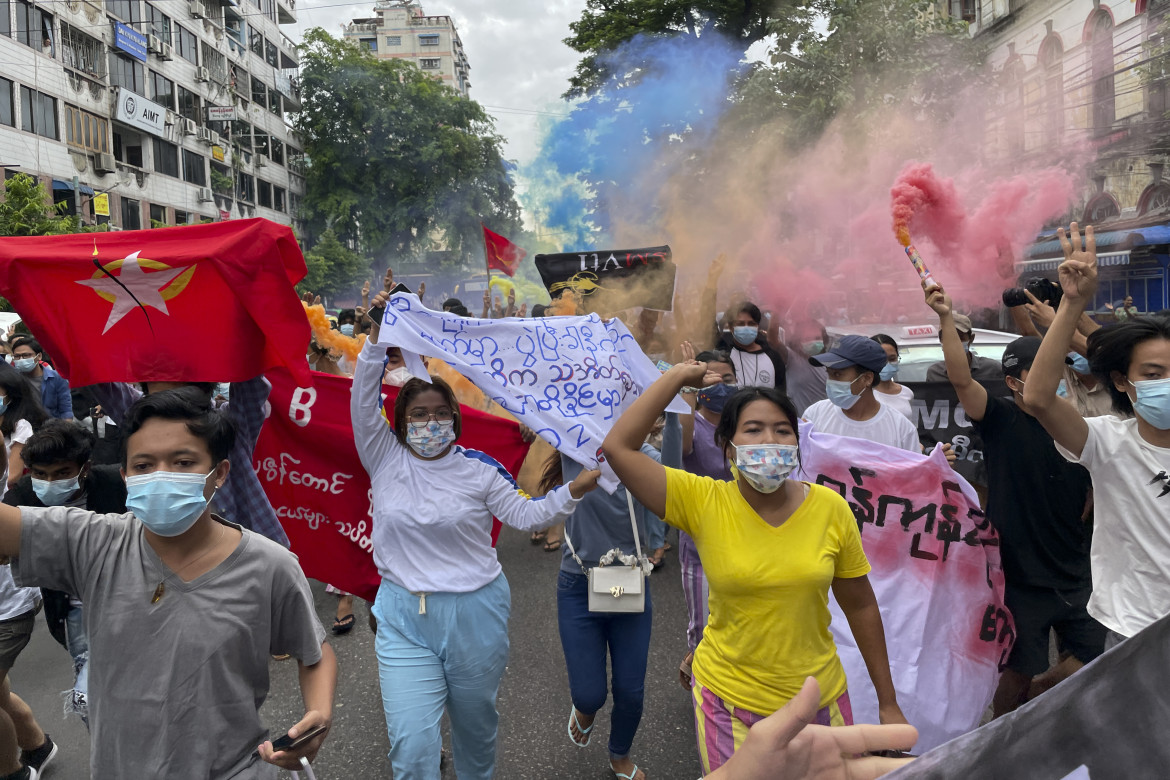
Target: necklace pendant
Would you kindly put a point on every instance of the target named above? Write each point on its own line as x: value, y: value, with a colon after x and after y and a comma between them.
x: 158, y: 593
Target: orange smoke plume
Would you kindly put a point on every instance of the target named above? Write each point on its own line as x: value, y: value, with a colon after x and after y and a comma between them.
x: 326, y: 336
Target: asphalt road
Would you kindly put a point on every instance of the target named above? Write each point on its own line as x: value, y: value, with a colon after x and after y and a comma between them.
x: 534, y: 699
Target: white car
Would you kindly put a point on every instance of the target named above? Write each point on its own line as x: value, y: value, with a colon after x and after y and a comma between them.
x: 919, y: 347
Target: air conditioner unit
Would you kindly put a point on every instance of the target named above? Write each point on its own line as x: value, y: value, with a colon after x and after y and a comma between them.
x: 189, y: 127
x: 172, y: 117
x: 203, y: 134
x: 166, y: 52
x: 153, y: 44
x: 197, y: 10
x: 204, y: 195
x: 214, y: 138
x: 104, y: 163
x: 261, y: 161
x: 202, y: 74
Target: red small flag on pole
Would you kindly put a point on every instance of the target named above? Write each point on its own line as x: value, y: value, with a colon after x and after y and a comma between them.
x: 200, y: 303
x: 502, y: 254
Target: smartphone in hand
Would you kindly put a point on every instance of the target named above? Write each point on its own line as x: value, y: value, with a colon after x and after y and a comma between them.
x: 289, y: 743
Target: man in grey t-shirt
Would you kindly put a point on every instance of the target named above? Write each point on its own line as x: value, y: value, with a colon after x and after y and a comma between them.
x: 183, y: 608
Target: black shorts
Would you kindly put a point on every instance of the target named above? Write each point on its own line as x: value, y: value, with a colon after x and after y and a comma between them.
x: 1036, y: 611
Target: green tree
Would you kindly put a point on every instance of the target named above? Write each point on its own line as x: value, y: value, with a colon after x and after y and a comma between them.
x: 28, y: 211
x: 333, y: 268
x: 398, y: 162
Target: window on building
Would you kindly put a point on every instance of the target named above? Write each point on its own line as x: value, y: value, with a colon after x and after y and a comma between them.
x: 275, y: 104
x: 260, y: 144
x: 393, y: 40
x: 158, y: 215
x: 1013, y: 103
x: 127, y: 72
x: 158, y: 23
x: 215, y: 63
x: 5, y: 18
x: 255, y: 41
x: 369, y: 44
x: 194, y: 168
x: 1052, y: 70
x: 259, y: 92
x: 241, y: 133
x: 277, y: 151
x: 129, y: 11
x: 166, y: 158
x: 246, y: 187
x: 1103, y: 206
x: 7, y: 116
x: 188, y: 45
x: 264, y: 194
x: 1103, y: 67
x: 162, y: 90
x: 34, y: 27
x: 189, y: 105
x: 278, y: 198
x: 967, y: 10
x: 131, y: 214
x: 38, y: 113
x: 271, y: 56
x: 82, y: 52
x: 428, y: 39
x: 86, y: 131
x: 429, y: 63
x: 1156, y: 200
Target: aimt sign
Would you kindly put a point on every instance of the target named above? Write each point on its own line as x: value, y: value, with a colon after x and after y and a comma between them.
x: 137, y: 111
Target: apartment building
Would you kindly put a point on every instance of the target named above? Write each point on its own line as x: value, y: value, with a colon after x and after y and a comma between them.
x: 138, y: 113
x: 402, y: 30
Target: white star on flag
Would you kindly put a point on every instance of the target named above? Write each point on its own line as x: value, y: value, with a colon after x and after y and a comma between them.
x: 146, y: 287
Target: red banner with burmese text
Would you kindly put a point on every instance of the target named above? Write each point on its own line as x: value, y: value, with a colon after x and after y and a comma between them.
x: 309, y: 467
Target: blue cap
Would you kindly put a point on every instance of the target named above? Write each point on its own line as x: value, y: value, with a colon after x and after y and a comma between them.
x: 853, y: 351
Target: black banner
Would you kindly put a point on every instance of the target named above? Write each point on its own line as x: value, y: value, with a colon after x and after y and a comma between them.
x: 611, y: 280
x: 939, y: 417
x: 1109, y: 718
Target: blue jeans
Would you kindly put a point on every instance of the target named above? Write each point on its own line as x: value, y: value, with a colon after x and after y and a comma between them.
x: 585, y: 638
x: 452, y: 657
x: 77, y: 640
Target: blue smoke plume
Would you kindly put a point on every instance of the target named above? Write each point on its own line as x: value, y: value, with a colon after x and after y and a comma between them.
x: 607, y: 158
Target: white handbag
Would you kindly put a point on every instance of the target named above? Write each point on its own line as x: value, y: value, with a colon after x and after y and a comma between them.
x: 619, y: 586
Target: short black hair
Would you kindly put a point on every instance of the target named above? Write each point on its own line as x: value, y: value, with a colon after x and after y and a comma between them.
x: 539, y: 310
x: 24, y: 402
x: 733, y: 408
x: 451, y: 303
x: 57, y: 441
x: 346, y: 315
x: 206, y: 388
x: 882, y: 338
x: 28, y: 341
x: 185, y: 404
x: 715, y: 356
x: 751, y: 310
x: 460, y: 311
x: 1111, y: 350
x: 415, y: 387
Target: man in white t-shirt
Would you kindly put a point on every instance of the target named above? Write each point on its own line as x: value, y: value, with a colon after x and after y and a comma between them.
x: 1128, y: 459
x: 851, y: 409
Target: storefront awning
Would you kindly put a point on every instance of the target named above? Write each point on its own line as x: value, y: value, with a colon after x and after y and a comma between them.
x: 59, y: 184
x: 1156, y: 234
x: 1051, y: 264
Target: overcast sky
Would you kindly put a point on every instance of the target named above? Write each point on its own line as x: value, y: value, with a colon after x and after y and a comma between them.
x: 519, y: 67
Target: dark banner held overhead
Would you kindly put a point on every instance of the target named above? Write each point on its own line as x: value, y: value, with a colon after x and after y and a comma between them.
x: 611, y: 280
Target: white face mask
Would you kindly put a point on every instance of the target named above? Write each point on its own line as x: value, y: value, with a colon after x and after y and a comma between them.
x: 766, y: 466
x: 397, y: 377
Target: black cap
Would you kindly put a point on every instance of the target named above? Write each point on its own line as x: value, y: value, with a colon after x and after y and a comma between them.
x: 1020, y: 354
x: 451, y: 303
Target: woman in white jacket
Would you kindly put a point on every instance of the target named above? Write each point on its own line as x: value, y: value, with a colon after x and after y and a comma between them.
x: 443, y: 605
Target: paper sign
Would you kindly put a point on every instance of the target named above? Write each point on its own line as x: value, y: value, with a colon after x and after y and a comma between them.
x: 101, y: 204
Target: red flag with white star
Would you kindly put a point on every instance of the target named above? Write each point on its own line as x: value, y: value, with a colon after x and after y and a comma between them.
x: 198, y: 303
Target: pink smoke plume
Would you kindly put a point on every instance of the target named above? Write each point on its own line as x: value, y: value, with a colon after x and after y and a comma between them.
x: 920, y: 197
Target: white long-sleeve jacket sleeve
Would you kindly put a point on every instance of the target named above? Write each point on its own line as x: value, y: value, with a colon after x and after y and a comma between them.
x: 374, y: 438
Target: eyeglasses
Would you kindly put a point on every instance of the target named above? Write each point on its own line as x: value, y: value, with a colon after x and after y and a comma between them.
x: 422, y: 416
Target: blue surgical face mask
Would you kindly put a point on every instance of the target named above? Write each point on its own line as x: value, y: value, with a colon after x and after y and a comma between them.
x: 167, y: 502
x: 889, y: 371
x: 3, y: 405
x: 715, y: 396
x: 346, y: 330
x: 840, y: 392
x: 745, y: 334
x: 1080, y: 363
x: 967, y: 347
x: 56, y: 492
x: 1153, y: 402
x: 25, y: 365
x: 814, y: 347
x: 1062, y: 389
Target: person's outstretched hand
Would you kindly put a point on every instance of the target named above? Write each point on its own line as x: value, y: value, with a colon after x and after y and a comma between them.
x: 937, y: 299
x: 785, y: 747
x: 1078, y: 272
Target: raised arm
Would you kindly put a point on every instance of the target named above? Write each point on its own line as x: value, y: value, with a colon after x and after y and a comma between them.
x: 371, y: 432
x: 512, y: 506
x: 9, y: 531
x: 972, y: 395
x: 706, y: 328
x: 641, y: 475
x: 1078, y: 279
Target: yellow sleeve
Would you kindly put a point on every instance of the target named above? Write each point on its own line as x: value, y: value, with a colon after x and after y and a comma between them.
x: 685, y: 498
x: 851, y: 560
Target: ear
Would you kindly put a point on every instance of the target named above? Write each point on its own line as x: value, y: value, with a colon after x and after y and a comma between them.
x: 221, y: 472
x: 1120, y: 381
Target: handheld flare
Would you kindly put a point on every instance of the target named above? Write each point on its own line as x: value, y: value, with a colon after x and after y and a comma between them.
x: 919, y: 266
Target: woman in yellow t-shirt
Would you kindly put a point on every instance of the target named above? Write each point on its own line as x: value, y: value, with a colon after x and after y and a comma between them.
x: 772, y: 549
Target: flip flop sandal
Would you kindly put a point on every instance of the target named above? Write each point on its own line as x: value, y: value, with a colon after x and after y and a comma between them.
x: 584, y: 732
x: 620, y: 776
x: 343, y: 625
x: 552, y: 546
x: 537, y: 537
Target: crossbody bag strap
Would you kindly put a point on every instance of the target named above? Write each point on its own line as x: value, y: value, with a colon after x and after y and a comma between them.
x: 573, y: 552
x: 634, y: 526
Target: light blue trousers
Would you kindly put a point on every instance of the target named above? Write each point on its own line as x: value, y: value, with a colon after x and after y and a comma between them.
x: 77, y: 640
x: 452, y: 657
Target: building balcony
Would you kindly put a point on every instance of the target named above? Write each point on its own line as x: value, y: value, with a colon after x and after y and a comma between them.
x: 361, y: 28
x: 289, y: 58
x: 286, y: 11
